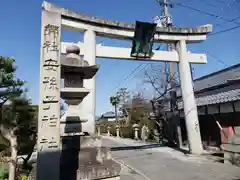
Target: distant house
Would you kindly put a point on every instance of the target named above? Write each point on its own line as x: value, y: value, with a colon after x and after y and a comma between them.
x: 108, y: 116
x: 218, y: 102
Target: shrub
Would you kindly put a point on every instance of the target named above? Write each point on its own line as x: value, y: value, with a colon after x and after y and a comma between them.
x: 151, y: 135
x: 113, y: 131
x: 22, y: 177
x: 3, y: 173
x: 127, y: 132
x: 103, y: 129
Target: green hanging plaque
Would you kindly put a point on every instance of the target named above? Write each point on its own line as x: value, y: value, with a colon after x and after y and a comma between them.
x: 143, y: 40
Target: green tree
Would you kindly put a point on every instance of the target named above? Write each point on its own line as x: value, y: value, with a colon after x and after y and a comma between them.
x: 10, y: 86
x: 3, y: 173
x: 27, y: 136
x: 124, y: 97
x: 18, y: 124
x: 114, y: 100
x: 15, y: 119
x: 140, y: 110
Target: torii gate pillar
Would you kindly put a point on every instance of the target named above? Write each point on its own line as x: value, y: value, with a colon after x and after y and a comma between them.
x: 88, y: 108
x: 190, y: 108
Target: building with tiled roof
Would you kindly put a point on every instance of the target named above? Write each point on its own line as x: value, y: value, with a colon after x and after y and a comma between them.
x: 217, y: 88
x: 218, y: 102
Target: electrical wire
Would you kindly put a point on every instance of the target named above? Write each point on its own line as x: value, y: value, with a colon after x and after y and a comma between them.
x: 129, y: 75
x: 222, y: 8
x: 210, y: 4
x: 229, y: 4
x: 207, y: 13
x: 67, y: 1
x: 134, y: 70
x: 225, y: 30
x: 146, y: 65
x: 217, y: 59
x: 137, y: 74
x: 221, y: 24
x: 221, y: 1
x: 216, y: 16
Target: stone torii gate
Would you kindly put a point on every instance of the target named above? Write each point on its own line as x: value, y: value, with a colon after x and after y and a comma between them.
x: 52, y: 50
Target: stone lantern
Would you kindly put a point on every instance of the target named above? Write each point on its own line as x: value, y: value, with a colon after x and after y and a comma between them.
x: 81, y: 151
x: 136, y: 130
x: 108, y: 130
x: 74, y: 70
x: 117, y: 130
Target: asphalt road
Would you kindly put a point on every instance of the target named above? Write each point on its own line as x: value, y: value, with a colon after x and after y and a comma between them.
x: 165, y: 163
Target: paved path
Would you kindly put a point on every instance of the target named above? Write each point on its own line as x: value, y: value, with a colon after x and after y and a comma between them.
x: 165, y: 163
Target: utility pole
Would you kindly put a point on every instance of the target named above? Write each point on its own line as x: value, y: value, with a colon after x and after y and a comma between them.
x: 166, y: 21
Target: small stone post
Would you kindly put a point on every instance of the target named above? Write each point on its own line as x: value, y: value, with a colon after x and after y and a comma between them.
x: 117, y: 130
x: 136, y: 129
x: 144, y: 133
x: 99, y: 130
x: 179, y: 131
x: 108, y: 130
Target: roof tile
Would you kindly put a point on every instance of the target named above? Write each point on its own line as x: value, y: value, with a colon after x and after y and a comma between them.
x: 222, y: 97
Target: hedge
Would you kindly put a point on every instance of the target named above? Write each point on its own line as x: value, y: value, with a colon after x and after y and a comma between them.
x: 127, y: 132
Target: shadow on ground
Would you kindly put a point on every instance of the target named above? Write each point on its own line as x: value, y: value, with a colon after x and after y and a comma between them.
x: 148, y: 146
x: 123, y: 148
x: 184, y: 151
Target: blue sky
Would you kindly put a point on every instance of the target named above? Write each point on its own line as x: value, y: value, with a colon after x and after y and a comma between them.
x: 20, y: 38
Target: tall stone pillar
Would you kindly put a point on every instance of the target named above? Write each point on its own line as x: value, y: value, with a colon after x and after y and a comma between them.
x: 88, y: 107
x: 190, y: 108
x: 48, y: 143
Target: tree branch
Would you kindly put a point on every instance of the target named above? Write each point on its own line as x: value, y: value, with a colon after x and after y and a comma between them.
x: 152, y: 82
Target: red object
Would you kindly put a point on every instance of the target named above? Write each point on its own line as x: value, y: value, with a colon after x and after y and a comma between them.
x: 226, y: 133
x: 230, y: 131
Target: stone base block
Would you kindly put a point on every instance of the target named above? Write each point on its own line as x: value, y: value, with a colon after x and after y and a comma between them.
x: 90, y: 162
x: 106, y: 170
